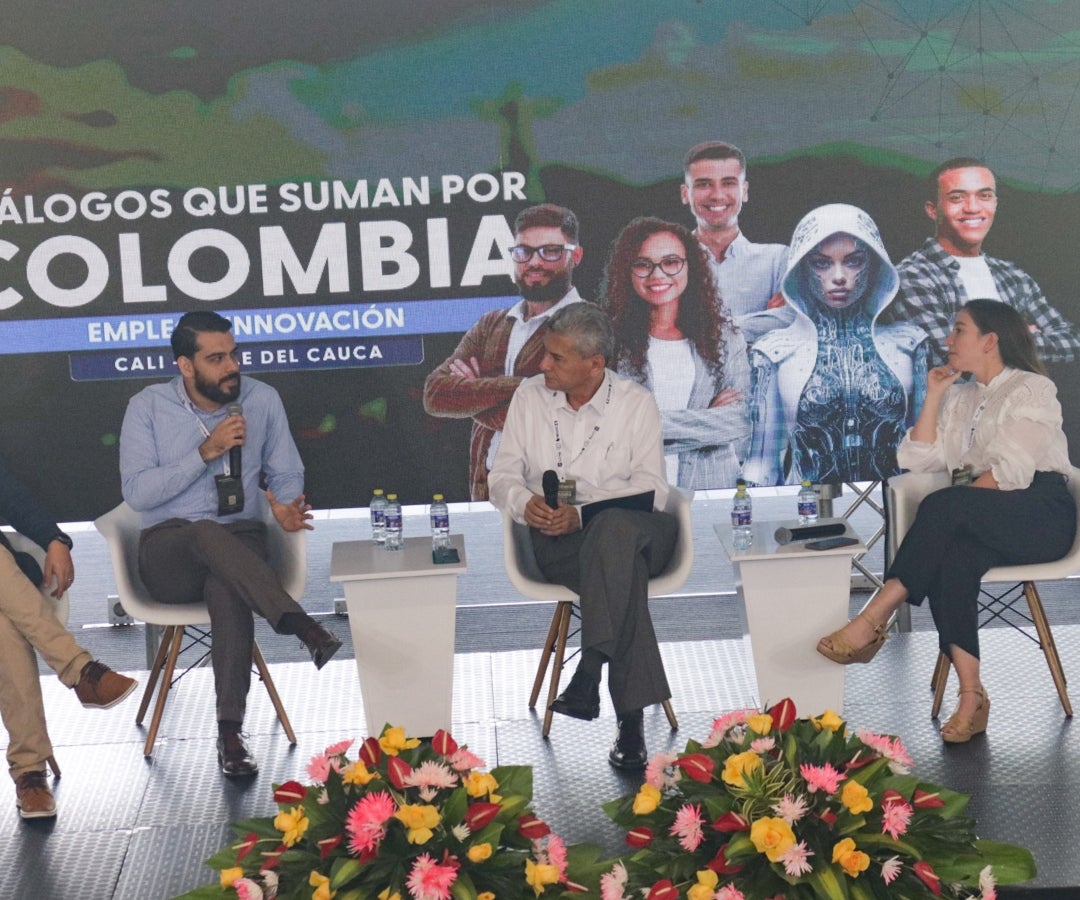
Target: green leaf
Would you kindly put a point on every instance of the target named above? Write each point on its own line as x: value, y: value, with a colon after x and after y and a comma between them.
x: 514, y: 780
x: 343, y: 871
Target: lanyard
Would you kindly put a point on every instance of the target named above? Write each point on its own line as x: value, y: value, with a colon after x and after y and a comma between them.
x: 185, y: 401
x: 969, y: 439
x: 588, y: 441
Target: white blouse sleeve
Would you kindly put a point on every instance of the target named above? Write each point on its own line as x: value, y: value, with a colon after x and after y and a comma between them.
x: 1028, y: 423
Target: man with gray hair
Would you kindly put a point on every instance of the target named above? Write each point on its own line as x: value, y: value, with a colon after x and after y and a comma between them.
x: 600, y: 434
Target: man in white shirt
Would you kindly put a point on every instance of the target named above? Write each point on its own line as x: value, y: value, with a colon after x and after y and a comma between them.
x: 748, y: 275
x: 951, y: 268
x: 505, y: 346
x: 590, y: 425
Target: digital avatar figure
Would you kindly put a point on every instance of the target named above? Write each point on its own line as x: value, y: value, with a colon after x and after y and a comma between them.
x: 833, y: 393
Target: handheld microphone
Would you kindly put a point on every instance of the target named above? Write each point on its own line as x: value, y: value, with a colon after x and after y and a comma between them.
x: 551, y: 488
x: 235, y: 409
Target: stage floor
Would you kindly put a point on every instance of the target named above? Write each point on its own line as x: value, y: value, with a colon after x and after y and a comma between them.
x: 135, y: 829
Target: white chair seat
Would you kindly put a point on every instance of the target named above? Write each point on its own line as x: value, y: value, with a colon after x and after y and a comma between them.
x: 23, y: 544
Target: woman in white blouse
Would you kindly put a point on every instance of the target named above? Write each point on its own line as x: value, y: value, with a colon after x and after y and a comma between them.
x: 1001, y: 429
x: 673, y: 336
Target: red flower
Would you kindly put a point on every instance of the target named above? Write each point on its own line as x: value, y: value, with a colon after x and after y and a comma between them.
x: 720, y: 865
x: 783, y: 714
x: 639, y: 837
x: 731, y: 821
x: 828, y: 817
x: 663, y: 890
x: 370, y: 752
x: 328, y: 845
x: 697, y: 765
x: 923, y: 800
x: 858, y: 761
x: 246, y: 846
x: 891, y: 796
x: 480, y: 814
x: 399, y: 770
x: 928, y: 877
x: 532, y: 828
x: 443, y: 744
x: 290, y: 792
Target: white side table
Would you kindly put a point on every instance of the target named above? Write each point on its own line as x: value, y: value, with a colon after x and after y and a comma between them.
x: 793, y: 597
x: 402, y: 615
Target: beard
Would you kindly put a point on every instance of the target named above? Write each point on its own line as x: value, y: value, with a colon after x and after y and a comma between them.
x: 224, y: 391
x: 554, y: 289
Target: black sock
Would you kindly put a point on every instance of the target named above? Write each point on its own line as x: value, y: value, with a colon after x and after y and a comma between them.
x: 294, y: 623
x: 228, y: 726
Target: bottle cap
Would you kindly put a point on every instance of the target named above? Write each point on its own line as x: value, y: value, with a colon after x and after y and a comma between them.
x: 437, y: 497
x: 806, y: 483
x: 391, y: 496
x: 377, y: 491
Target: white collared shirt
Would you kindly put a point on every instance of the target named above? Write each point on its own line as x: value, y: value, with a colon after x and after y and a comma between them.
x: 610, y: 448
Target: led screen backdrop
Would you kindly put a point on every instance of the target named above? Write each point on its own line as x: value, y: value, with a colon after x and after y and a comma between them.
x: 340, y: 179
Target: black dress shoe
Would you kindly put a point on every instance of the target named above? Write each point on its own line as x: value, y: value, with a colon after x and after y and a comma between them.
x: 580, y: 700
x: 233, y: 755
x: 321, y: 644
x: 628, y: 752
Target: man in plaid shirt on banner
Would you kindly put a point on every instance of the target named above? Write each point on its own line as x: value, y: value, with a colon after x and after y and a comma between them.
x: 950, y: 268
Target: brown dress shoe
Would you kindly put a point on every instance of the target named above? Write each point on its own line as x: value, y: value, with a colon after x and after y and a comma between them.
x: 33, y: 797
x: 320, y: 643
x: 233, y: 755
x: 100, y: 687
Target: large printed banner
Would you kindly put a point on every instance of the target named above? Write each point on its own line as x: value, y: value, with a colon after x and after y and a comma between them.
x: 344, y: 190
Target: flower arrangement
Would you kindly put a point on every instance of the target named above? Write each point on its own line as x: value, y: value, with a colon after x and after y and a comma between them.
x: 773, y: 806
x: 407, y: 818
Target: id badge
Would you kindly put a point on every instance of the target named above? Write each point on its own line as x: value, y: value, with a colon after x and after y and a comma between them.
x: 230, y: 495
x: 963, y: 475
x: 568, y: 492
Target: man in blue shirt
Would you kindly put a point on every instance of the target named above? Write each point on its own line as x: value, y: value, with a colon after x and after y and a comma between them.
x: 202, y: 539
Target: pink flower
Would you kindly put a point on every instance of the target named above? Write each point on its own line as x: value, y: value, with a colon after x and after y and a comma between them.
x: 895, y: 817
x: 430, y: 777
x: 890, y: 869
x: 889, y: 747
x: 791, y: 809
x: 553, y: 853
x: 430, y: 881
x: 339, y: 748
x: 366, y: 821
x: 612, y: 883
x: 821, y: 778
x: 687, y: 827
x: 246, y: 889
x: 462, y: 760
x: 729, y: 892
x: 796, y: 859
x: 762, y: 744
x: 987, y: 884
x: 724, y: 724
x: 322, y: 763
x: 661, y: 772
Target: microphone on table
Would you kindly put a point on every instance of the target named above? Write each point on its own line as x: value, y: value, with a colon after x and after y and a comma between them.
x: 235, y: 409
x: 551, y: 488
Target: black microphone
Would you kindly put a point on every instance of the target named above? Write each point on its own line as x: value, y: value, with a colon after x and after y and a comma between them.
x: 551, y: 489
x: 235, y: 409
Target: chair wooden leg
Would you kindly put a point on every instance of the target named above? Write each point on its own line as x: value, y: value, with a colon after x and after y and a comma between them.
x: 1046, y: 641
x: 672, y: 721
x: 155, y: 671
x: 941, y: 674
x: 271, y: 689
x: 557, y: 662
x: 545, y: 657
x: 163, y: 690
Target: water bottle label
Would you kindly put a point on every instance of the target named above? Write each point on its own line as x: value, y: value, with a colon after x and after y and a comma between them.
x: 378, y: 517
x: 441, y: 522
x: 393, y: 521
x: 742, y: 518
x: 808, y: 507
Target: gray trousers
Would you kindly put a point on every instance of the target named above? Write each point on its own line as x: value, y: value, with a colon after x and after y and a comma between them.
x: 608, y: 566
x: 224, y: 564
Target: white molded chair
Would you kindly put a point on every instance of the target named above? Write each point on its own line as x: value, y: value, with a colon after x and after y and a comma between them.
x: 121, y: 528
x: 525, y: 575
x: 905, y: 492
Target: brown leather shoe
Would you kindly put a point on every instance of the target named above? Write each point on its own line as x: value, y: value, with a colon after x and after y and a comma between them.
x: 100, y: 687
x: 33, y: 797
x: 320, y: 643
x: 233, y: 755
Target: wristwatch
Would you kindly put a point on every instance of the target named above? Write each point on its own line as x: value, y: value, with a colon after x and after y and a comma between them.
x: 63, y: 539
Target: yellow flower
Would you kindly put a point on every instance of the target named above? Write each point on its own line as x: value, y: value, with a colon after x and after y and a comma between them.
x: 772, y: 837
x: 537, y: 875
x: 760, y: 724
x: 646, y: 801
x: 852, y: 861
x: 738, y: 766
x: 477, y: 784
x: 856, y: 798
x: 393, y: 741
x: 707, y: 880
x: 479, y: 852
x: 322, y: 887
x: 828, y: 720
x: 485, y: 895
x: 357, y: 773
x: 419, y: 820
x: 292, y: 825
x: 228, y: 876
x: 385, y: 894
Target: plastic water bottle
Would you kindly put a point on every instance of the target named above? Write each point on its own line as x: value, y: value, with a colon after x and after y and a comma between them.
x: 808, y: 505
x: 393, y: 523
x: 440, y: 523
x: 378, y: 516
x: 741, y: 517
